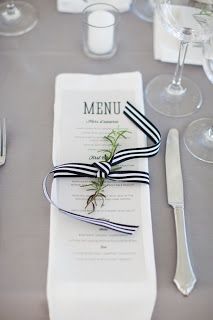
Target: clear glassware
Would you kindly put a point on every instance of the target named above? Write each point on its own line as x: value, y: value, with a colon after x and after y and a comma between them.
x: 208, y: 59
x: 17, y: 18
x: 189, y: 21
x: 144, y: 9
x: 100, y: 30
x: 198, y: 136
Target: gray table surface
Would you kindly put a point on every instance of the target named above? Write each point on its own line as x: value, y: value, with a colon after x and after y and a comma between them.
x: 28, y: 67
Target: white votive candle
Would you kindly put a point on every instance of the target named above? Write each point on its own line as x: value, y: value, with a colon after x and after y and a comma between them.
x: 101, y: 31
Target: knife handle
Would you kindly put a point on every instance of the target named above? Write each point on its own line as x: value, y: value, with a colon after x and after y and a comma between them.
x: 184, y: 276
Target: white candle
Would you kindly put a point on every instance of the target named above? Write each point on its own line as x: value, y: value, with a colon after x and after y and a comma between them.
x: 100, y: 31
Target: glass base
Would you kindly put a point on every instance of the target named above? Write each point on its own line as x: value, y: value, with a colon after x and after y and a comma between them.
x: 103, y: 56
x: 143, y: 9
x: 198, y: 139
x: 18, y: 19
x: 161, y: 100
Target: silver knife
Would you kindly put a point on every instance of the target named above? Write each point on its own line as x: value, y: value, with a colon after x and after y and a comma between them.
x: 184, y: 276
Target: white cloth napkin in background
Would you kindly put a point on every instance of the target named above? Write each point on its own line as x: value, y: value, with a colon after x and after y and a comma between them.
x: 94, y: 273
x: 77, y: 6
x: 166, y: 46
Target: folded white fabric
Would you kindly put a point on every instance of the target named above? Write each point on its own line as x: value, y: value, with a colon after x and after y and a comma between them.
x: 77, y: 6
x: 166, y: 46
x: 94, y: 272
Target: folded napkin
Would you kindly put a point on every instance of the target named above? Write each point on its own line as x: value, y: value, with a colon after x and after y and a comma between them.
x: 94, y: 271
x: 77, y: 6
x: 166, y: 46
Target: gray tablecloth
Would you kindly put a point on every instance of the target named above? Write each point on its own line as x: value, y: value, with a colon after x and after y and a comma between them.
x: 28, y: 67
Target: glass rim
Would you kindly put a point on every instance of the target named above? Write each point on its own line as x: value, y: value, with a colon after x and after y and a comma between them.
x: 106, y: 4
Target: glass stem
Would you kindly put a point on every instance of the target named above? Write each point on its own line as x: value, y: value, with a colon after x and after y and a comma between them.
x: 175, y: 88
x: 11, y: 8
x: 210, y: 132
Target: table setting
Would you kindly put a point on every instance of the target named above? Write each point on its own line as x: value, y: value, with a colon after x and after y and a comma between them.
x: 106, y: 159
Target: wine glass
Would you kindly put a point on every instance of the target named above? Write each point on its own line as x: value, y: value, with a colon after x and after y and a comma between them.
x: 144, y: 9
x: 198, y: 136
x: 208, y: 58
x: 17, y: 18
x: 188, y: 21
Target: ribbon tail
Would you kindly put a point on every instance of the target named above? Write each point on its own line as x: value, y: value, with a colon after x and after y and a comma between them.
x: 123, y: 228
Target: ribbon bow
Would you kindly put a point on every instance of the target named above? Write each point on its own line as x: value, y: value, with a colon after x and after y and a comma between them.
x: 104, y: 169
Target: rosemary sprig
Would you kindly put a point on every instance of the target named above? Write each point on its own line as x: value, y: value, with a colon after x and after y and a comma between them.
x: 98, y: 185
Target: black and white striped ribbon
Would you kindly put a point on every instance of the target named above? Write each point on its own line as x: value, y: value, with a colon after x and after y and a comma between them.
x: 104, y: 169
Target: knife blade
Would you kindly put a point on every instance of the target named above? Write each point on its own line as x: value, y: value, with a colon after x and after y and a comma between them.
x: 184, y: 277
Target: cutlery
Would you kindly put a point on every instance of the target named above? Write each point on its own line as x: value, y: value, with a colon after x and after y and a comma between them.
x: 184, y: 277
x: 2, y: 141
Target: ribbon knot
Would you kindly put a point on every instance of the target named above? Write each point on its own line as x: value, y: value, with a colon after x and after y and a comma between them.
x: 104, y: 169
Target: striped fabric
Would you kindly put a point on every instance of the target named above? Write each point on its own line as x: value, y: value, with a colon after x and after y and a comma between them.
x: 105, y: 169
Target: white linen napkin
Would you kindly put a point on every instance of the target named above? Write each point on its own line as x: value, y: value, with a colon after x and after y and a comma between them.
x: 166, y: 46
x: 77, y: 6
x: 91, y: 271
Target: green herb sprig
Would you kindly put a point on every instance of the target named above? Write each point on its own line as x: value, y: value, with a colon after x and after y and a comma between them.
x: 98, y: 185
